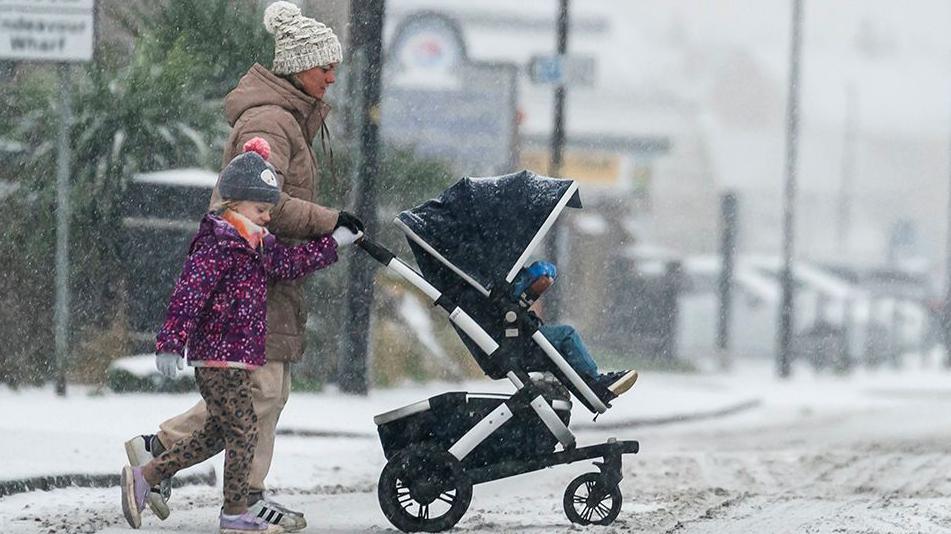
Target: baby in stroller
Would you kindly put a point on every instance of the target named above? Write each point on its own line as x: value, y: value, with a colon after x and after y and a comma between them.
x: 528, y: 286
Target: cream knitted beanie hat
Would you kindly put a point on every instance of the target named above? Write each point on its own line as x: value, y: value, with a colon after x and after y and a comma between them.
x: 300, y: 43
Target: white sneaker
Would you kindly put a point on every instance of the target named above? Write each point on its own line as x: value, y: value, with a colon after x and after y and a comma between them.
x: 246, y: 523
x: 277, y: 514
x: 139, y: 451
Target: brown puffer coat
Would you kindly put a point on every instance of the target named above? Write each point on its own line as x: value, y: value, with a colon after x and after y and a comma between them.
x: 266, y: 105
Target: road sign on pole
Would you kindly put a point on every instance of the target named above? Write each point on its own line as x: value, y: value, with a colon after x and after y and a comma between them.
x: 47, y: 30
x: 546, y: 70
x: 61, y: 313
x: 560, y: 69
x: 62, y: 31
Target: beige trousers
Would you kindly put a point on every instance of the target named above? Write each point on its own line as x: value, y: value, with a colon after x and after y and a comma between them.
x: 270, y: 387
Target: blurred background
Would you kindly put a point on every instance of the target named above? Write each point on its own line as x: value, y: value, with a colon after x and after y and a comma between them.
x: 716, y: 197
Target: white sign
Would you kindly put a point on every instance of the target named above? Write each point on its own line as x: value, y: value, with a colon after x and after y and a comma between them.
x: 428, y: 49
x: 51, y: 30
x: 441, y: 105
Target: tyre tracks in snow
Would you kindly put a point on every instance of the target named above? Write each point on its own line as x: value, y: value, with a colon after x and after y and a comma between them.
x: 820, y: 474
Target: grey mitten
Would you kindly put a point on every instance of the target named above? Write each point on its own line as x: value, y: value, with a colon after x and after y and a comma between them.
x: 169, y: 364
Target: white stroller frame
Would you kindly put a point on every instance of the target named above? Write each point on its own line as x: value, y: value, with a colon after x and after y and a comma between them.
x: 527, y: 393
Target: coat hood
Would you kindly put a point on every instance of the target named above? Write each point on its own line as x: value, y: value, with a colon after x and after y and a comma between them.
x: 261, y: 87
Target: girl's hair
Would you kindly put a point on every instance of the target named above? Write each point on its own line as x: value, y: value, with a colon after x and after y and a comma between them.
x: 223, y: 205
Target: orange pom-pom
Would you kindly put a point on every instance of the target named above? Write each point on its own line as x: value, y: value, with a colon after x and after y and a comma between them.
x: 259, y: 145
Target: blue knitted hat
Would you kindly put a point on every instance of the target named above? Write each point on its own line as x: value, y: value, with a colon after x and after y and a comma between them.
x: 527, y: 276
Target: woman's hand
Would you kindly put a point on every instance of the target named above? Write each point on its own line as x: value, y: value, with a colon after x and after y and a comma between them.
x: 345, y: 219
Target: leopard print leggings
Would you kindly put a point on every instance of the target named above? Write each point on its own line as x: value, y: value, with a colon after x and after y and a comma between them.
x: 231, y: 425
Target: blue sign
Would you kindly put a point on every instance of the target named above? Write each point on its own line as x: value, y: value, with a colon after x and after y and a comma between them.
x: 561, y: 70
x: 547, y: 70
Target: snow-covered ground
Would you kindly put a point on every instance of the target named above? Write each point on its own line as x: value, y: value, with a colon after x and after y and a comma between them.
x: 817, y: 453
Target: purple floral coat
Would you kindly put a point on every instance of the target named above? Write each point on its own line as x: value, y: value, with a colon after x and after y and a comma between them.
x: 218, y: 307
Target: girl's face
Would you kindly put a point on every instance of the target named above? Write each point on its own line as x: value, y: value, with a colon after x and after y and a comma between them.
x: 257, y: 212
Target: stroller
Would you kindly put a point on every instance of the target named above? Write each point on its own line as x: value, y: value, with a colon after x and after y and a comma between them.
x: 469, y: 244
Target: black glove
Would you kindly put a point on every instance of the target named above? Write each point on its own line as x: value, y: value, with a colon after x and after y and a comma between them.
x: 349, y: 221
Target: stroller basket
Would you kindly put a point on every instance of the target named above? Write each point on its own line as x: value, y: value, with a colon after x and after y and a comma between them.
x: 443, y: 419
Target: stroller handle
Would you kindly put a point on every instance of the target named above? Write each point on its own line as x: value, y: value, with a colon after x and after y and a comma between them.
x: 376, y: 250
x: 456, y: 315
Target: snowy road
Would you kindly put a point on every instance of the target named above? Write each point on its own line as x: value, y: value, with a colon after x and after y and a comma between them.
x: 877, y: 470
x: 815, y: 456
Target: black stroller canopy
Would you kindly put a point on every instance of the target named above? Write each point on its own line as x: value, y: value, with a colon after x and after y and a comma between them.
x: 486, y: 227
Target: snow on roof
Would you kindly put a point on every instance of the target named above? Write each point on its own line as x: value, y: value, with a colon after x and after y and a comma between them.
x: 190, y: 177
x: 747, y: 279
x: 649, y: 251
x: 824, y: 282
x: 141, y: 365
x: 702, y: 264
x: 7, y: 188
x: 757, y: 275
x: 813, y: 277
x: 590, y: 223
x: 756, y: 284
x: 7, y: 145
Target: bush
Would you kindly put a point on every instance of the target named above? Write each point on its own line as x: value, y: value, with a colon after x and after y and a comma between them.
x: 137, y: 374
x: 129, y: 116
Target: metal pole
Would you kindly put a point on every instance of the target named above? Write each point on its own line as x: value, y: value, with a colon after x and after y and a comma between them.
x: 725, y: 285
x: 61, y: 312
x: 672, y: 283
x: 946, y: 309
x: 366, y: 22
x: 552, y: 304
x: 786, y: 311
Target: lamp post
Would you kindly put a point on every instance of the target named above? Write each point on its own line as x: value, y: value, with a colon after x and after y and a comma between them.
x: 555, y: 242
x: 366, y: 20
x: 946, y: 307
x: 786, y: 310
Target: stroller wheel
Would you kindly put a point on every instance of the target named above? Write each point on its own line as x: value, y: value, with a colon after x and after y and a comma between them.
x: 588, y: 502
x: 424, y: 488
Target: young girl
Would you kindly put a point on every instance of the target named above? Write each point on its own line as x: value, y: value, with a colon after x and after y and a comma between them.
x: 216, y: 316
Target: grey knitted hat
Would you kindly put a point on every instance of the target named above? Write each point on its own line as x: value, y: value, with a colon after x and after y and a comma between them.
x: 249, y: 177
x: 300, y: 43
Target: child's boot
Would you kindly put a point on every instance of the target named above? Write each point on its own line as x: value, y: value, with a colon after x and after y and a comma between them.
x: 140, y: 450
x: 245, y: 523
x: 134, y: 491
x: 616, y: 382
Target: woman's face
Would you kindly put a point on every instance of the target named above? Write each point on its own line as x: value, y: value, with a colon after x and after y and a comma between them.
x: 257, y: 212
x: 315, y: 81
